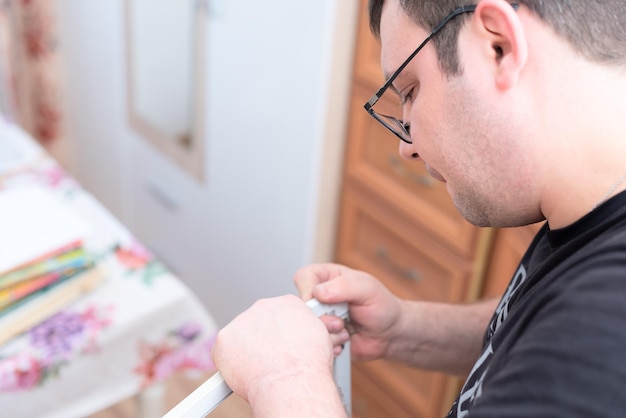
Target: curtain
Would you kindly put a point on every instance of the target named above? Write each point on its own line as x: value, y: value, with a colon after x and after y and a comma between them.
x: 30, y: 90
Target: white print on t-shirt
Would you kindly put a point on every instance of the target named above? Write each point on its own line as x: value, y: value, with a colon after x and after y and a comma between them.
x: 502, y: 311
x: 472, y: 390
x: 468, y: 395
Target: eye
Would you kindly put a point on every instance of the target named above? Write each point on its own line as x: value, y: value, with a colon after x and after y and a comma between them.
x: 408, y: 96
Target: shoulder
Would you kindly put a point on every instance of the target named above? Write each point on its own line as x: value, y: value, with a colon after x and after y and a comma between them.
x: 560, y: 351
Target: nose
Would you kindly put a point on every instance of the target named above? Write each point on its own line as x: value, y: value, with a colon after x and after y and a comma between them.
x: 408, y: 151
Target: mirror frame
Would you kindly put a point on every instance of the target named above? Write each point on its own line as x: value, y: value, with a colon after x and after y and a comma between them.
x: 188, y: 154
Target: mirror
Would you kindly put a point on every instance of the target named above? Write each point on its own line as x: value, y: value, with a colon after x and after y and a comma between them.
x: 165, y: 67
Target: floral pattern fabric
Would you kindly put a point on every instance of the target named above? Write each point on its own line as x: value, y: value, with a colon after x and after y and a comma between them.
x: 52, y: 344
x: 137, y: 328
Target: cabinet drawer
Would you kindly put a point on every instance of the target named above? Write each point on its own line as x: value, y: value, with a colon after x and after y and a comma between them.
x: 386, y: 389
x: 374, y: 161
x: 404, y: 258
x: 371, y: 400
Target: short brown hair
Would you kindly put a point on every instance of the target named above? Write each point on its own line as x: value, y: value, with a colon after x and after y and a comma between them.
x: 594, y: 28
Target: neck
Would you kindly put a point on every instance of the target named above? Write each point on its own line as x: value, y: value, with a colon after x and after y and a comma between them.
x: 590, y: 140
x: 615, y: 189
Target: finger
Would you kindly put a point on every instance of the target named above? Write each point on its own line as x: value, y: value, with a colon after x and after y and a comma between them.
x: 351, y: 289
x: 340, y: 338
x: 339, y: 341
x: 333, y: 323
x: 337, y: 350
x: 308, y: 277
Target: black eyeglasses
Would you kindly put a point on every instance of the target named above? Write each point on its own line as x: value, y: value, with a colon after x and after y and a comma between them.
x: 398, y: 127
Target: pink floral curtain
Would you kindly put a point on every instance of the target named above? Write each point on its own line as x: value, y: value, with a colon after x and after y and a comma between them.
x: 29, y: 67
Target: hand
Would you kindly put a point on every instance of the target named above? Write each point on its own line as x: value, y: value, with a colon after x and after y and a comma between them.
x: 273, y: 342
x: 374, y: 310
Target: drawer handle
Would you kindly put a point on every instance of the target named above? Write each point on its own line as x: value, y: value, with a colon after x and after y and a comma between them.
x: 162, y: 197
x: 410, y: 274
x: 424, y: 180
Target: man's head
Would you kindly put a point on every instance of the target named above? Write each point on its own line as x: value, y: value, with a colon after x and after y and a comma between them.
x: 503, y: 103
x: 594, y: 28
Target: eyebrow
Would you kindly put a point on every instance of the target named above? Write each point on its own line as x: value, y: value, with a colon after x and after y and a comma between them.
x: 391, y: 86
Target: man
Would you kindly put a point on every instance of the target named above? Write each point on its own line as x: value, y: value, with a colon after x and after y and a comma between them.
x: 520, y: 109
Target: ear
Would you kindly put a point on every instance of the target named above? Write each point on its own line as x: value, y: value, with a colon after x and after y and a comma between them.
x: 499, y: 25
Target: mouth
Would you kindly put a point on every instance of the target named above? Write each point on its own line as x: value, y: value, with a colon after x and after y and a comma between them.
x: 434, y: 173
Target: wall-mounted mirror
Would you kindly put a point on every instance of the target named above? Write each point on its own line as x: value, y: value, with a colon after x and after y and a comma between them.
x: 165, y: 66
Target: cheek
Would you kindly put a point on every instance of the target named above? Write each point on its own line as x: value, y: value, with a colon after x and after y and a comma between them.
x: 483, y: 141
x: 455, y: 138
x: 431, y: 117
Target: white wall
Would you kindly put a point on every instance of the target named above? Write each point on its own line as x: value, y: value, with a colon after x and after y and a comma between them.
x: 272, y: 81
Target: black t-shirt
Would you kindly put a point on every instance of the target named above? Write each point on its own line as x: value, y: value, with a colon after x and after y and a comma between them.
x: 556, y: 345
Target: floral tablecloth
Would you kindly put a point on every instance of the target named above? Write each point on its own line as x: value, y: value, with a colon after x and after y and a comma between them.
x: 137, y: 328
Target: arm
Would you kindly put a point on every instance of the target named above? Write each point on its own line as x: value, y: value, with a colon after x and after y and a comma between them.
x: 442, y: 337
x: 298, y: 394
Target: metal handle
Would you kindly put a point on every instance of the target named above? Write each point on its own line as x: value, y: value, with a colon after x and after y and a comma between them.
x: 163, y: 197
x: 423, y: 180
x: 410, y: 274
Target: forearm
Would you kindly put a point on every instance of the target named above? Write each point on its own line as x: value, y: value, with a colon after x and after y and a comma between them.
x: 449, y: 340
x: 298, y: 394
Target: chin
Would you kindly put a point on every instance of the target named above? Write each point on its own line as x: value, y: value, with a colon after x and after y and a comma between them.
x: 474, y: 209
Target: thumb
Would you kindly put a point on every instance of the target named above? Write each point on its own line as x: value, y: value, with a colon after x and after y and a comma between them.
x: 308, y: 277
x: 350, y: 289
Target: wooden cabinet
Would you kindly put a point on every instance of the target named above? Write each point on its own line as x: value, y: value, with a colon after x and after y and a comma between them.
x: 400, y: 225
